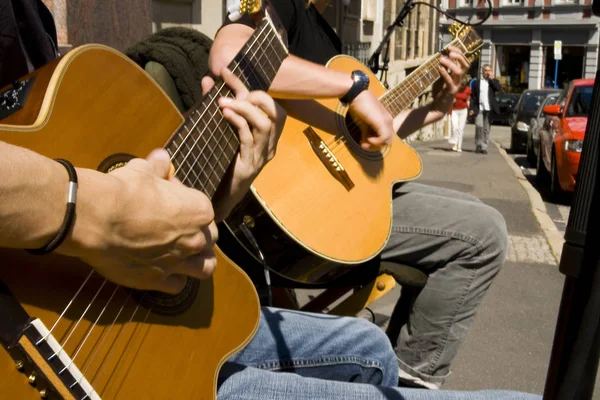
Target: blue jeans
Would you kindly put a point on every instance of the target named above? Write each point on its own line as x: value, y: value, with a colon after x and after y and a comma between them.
x: 297, y: 355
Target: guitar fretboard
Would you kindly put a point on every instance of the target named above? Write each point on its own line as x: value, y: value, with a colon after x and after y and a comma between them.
x: 206, y: 144
x: 399, y: 98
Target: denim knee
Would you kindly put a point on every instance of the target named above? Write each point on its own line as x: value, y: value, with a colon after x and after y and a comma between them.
x: 378, y: 345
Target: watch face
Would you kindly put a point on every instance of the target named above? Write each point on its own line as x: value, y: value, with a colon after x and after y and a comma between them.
x: 361, y: 77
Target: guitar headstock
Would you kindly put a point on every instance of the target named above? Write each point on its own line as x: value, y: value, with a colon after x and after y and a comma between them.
x: 257, y: 10
x: 237, y: 8
x: 466, y: 38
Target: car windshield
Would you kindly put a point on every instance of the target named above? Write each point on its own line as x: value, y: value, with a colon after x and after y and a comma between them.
x: 551, y: 99
x: 531, y: 100
x: 505, y: 98
x: 579, y: 106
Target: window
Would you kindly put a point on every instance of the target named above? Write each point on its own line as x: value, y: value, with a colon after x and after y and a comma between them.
x: 579, y: 106
x: 464, y: 3
x: 513, y: 2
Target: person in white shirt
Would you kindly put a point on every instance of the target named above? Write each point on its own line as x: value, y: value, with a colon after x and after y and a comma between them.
x: 483, y: 100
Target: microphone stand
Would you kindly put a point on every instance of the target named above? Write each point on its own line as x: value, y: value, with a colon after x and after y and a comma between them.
x: 373, y: 62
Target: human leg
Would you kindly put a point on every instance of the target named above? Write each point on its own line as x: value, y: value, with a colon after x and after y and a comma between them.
x: 479, y: 131
x: 249, y: 383
x: 462, y: 121
x: 461, y: 243
x: 485, y: 129
x: 454, y: 120
x: 324, y: 346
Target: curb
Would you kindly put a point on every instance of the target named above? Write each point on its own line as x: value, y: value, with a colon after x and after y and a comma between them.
x: 553, y: 236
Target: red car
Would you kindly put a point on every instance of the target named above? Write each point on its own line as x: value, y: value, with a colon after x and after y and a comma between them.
x: 561, y: 144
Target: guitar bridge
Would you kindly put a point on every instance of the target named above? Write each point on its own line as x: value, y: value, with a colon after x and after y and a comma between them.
x: 48, y: 367
x: 328, y: 159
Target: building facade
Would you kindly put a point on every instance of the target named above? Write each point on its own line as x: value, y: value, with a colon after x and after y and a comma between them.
x: 520, y: 35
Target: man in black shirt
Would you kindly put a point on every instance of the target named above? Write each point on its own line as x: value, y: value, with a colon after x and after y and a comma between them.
x: 460, y: 242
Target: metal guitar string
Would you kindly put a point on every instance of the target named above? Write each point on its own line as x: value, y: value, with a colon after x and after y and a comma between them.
x: 90, y: 329
x: 105, y: 335
x: 78, y: 321
x: 117, y: 338
x: 104, y: 282
x: 355, y: 125
x: 218, y: 124
x: 65, y: 310
x: 218, y: 91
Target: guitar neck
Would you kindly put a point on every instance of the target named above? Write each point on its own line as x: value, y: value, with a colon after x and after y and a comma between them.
x: 205, y: 145
x: 402, y: 95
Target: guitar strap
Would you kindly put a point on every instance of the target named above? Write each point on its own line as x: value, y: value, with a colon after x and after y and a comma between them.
x: 13, y: 317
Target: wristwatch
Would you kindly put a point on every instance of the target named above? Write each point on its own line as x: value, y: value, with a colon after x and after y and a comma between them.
x: 361, y: 82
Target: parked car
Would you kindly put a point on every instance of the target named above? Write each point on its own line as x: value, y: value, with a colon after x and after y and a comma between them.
x: 525, y: 109
x: 560, y: 147
x: 539, y: 121
x: 506, y: 105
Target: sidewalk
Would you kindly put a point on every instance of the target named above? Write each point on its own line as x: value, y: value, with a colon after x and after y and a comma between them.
x: 509, y: 344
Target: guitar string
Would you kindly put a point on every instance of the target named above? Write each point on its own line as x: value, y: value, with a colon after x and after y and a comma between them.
x: 65, y: 310
x: 104, y: 336
x: 262, y: 55
x: 201, y: 135
x: 217, y: 110
x: 390, y: 99
x: 104, y: 282
x: 101, y: 369
x: 90, y: 329
x: 77, y: 324
x: 206, y: 109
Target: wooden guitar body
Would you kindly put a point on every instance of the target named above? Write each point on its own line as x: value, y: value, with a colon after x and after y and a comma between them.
x: 342, y: 218
x: 97, y: 109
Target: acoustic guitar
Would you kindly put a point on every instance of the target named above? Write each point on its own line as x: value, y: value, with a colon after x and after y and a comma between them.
x: 67, y: 332
x: 323, y: 202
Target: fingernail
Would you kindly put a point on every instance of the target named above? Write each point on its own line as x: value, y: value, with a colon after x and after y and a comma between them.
x: 227, y: 71
x: 223, y: 101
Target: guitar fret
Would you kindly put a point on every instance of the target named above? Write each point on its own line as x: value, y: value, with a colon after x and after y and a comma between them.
x: 400, y: 97
x: 206, y: 144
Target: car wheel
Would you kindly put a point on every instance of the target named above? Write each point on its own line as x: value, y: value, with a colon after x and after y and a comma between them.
x: 531, y: 158
x: 513, y: 146
x: 541, y: 175
x: 555, y: 188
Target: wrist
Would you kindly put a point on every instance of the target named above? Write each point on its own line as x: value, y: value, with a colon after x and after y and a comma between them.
x: 95, y: 214
x: 360, y: 83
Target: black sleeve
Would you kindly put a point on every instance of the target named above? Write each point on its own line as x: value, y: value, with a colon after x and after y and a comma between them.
x: 496, y: 85
x: 286, y: 11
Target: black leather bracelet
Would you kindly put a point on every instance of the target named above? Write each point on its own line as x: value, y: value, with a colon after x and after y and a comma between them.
x: 69, y: 219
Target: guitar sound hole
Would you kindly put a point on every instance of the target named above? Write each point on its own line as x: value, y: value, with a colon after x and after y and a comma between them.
x: 353, y: 128
x: 167, y: 304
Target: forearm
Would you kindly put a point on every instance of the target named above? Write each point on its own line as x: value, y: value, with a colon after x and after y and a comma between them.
x: 33, y: 194
x: 300, y: 79
x: 295, y: 79
x: 410, y: 121
x: 229, y: 193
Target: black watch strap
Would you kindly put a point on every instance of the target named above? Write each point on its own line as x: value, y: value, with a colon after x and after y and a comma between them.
x: 361, y: 83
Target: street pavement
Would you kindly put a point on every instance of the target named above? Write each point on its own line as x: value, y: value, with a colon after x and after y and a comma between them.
x: 509, y: 344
